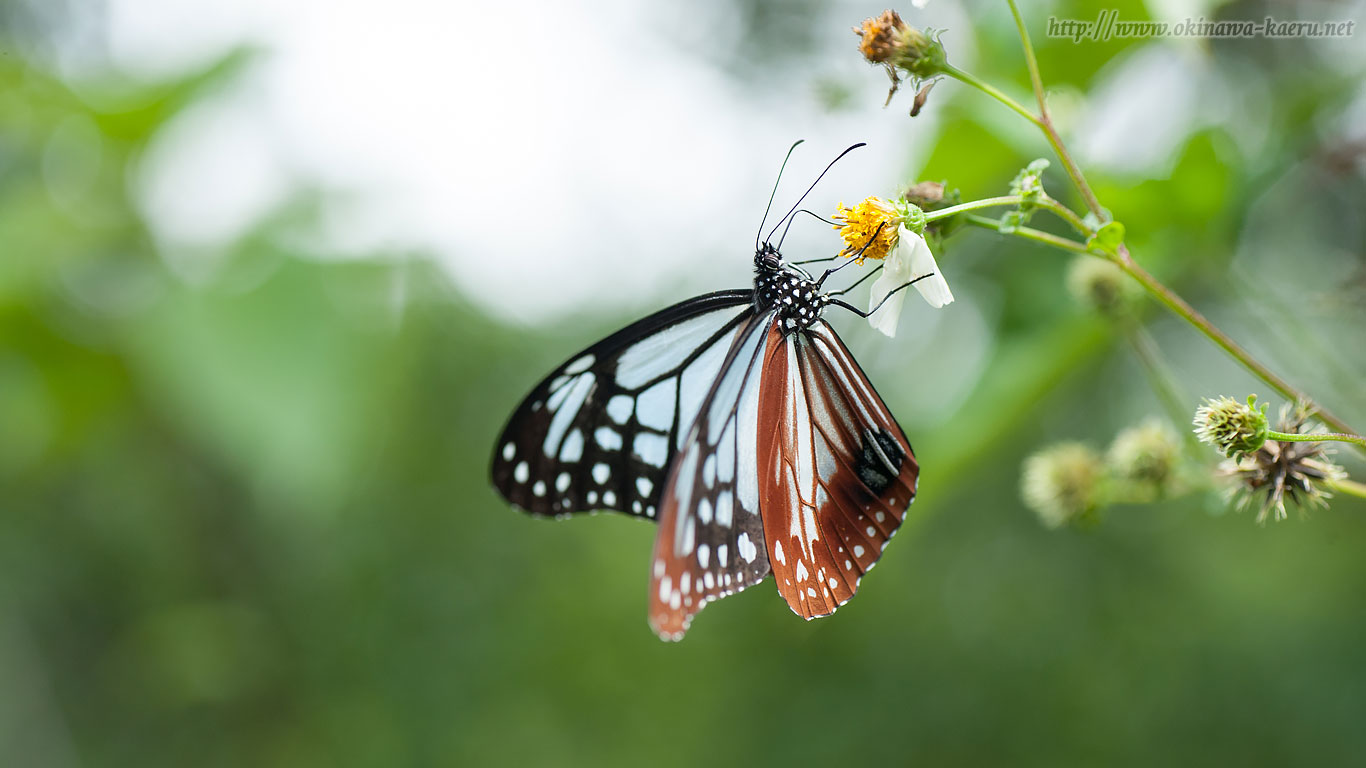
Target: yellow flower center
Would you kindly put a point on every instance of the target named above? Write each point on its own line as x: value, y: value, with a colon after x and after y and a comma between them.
x: 858, y: 226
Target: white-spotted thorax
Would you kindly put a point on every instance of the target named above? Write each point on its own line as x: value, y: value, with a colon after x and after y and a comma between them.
x: 787, y: 289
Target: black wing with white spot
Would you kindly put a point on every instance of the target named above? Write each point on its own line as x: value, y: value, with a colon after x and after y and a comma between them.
x: 711, y: 536
x: 601, y: 431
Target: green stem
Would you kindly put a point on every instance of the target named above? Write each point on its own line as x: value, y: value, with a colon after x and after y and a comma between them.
x: 992, y: 91
x: 1349, y: 487
x: 986, y: 202
x: 1028, y: 233
x: 1292, y: 437
x: 1044, y: 201
x: 1160, y: 378
x: 1066, y: 214
x: 1045, y: 122
x: 1188, y: 313
x: 1176, y: 304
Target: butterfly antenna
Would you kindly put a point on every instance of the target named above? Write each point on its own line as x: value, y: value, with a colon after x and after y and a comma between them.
x: 813, y: 186
x: 774, y: 193
x: 794, y: 218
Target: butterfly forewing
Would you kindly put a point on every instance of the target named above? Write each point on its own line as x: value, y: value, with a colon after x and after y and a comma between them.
x: 601, y: 431
x: 835, y: 472
x: 710, y: 541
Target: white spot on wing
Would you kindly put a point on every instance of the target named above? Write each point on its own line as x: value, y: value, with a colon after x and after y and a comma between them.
x: 724, y: 510
x: 666, y: 585
x: 704, y: 511
x: 609, y: 439
x: 521, y: 472
x: 580, y: 365
x: 619, y: 408
x: 651, y: 448
x: 602, y: 473
x: 655, y: 406
x: 746, y: 548
x: 562, y: 482
x: 564, y: 411
x: 802, y: 573
x: 722, y: 553
x: 509, y: 451
x: 703, y: 555
x: 538, y: 488
x: 609, y: 498
x: 644, y: 485
x: 573, y: 446
x: 858, y: 550
x: 778, y: 552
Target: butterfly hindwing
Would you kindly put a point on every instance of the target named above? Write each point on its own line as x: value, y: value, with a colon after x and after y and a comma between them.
x: 601, y: 431
x: 835, y: 471
x: 710, y: 540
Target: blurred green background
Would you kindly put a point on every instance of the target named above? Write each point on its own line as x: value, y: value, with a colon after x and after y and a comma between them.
x: 245, y: 520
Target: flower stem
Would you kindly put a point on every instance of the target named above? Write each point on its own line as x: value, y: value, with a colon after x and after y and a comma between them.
x: 1029, y: 233
x: 1309, y: 437
x: 1046, y: 123
x: 1176, y: 304
x: 1349, y: 487
x: 1044, y: 201
x: 1188, y: 313
x: 1159, y: 377
x: 969, y: 79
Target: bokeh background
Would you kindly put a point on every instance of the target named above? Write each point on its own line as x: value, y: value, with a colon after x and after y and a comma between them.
x: 273, y: 274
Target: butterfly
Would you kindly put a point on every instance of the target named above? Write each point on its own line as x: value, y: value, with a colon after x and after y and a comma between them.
x: 741, y: 424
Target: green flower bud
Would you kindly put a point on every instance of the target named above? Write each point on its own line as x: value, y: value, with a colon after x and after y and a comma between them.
x: 1235, y: 429
x: 1146, y: 457
x: 1100, y: 285
x: 1063, y: 484
x: 1028, y: 183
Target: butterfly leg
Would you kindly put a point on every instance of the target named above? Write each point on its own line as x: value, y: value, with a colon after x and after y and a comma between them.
x: 856, y: 284
x: 852, y: 259
x: 889, y: 295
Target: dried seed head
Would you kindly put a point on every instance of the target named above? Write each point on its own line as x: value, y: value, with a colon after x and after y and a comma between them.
x: 889, y: 41
x: 1279, y: 470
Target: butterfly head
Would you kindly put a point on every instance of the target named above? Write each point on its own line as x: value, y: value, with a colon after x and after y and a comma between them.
x: 767, y: 259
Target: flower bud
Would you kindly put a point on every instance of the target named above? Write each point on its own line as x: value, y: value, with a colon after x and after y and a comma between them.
x: 1235, y: 429
x: 1100, y: 285
x: 1063, y: 484
x: 1146, y: 458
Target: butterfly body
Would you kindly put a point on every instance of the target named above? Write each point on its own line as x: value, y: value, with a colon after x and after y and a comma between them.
x: 793, y: 296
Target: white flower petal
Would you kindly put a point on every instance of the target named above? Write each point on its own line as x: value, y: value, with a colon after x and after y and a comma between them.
x: 896, y: 271
x: 934, y: 288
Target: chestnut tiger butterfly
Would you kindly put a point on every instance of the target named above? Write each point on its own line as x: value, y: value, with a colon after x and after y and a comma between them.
x: 740, y: 423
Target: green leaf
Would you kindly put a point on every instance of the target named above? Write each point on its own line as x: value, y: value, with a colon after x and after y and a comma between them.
x: 1108, y: 238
